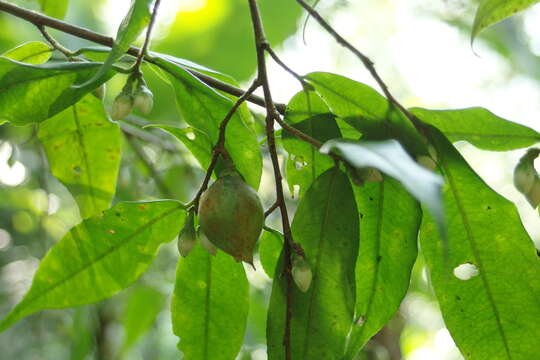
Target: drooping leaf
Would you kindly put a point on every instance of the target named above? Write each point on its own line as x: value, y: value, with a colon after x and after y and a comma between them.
x: 270, y: 245
x: 210, y: 305
x: 83, y: 151
x: 54, y: 8
x: 32, y: 93
x: 31, y: 52
x: 140, y: 312
x: 130, y: 28
x: 389, y: 222
x: 366, y: 110
x: 480, y: 127
x: 492, y: 11
x: 308, y: 113
x: 390, y: 158
x: 204, y: 109
x: 488, y: 310
x: 326, y: 226
x: 195, y: 140
x: 100, y: 256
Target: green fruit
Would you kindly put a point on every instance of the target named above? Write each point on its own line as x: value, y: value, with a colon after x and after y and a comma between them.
x: 231, y: 215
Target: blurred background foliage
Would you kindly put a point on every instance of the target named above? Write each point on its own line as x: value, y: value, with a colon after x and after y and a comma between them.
x: 422, y: 49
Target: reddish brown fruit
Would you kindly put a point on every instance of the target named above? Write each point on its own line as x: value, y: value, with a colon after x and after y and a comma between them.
x: 231, y: 216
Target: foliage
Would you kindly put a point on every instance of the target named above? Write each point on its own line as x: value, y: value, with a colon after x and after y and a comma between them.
x: 378, y: 184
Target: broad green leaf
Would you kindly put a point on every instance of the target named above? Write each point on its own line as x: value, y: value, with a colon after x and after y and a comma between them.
x: 32, y: 93
x: 389, y: 222
x: 326, y: 226
x: 210, y: 305
x: 130, y: 28
x: 31, y: 52
x: 366, y: 110
x: 83, y: 150
x: 480, y: 127
x: 140, y: 312
x: 270, y: 245
x: 100, y: 256
x: 492, y: 11
x: 195, y: 140
x: 54, y: 8
x: 490, y: 307
x: 390, y: 158
x: 307, y: 112
x: 204, y: 109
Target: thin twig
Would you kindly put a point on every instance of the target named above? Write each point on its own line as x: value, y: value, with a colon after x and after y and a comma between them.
x: 271, y: 209
x: 260, y: 46
x: 55, y: 44
x: 219, y: 148
x: 143, y: 51
x: 146, y: 136
x: 276, y: 58
x: 370, y: 66
x: 82, y: 33
x: 163, y: 188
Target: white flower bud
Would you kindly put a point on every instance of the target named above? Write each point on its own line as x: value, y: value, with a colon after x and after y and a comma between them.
x: 144, y: 100
x: 122, y: 105
x: 301, y: 273
x: 526, y: 178
x: 99, y: 92
x: 187, y: 237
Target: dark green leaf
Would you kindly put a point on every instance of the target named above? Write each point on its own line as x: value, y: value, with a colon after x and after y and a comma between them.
x: 366, y: 110
x: 130, y: 28
x: 204, y: 109
x: 492, y: 11
x: 480, y: 127
x: 326, y: 226
x: 31, y: 52
x: 307, y: 112
x: 389, y: 225
x: 389, y: 157
x: 490, y: 312
x: 270, y: 245
x: 210, y: 305
x: 54, y: 8
x: 30, y: 93
x: 100, y: 256
x: 140, y: 312
x: 83, y: 151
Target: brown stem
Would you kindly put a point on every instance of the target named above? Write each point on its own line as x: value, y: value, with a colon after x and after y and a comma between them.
x: 219, y: 148
x: 261, y: 44
x: 143, y: 51
x: 39, y: 19
x: 271, y: 209
x: 55, y: 44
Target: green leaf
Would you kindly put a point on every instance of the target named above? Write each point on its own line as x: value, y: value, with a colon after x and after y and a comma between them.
x: 270, y: 245
x: 33, y: 93
x: 490, y: 312
x: 390, y: 158
x: 492, y: 11
x: 326, y: 226
x: 210, y: 305
x: 204, y: 109
x: 480, y: 127
x: 100, y: 256
x: 308, y: 113
x: 140, y: 312
x: 83, y: 150
x: 366, y: 110
x: 31, y: 52
x: 390, y: 220
x: 54, y: 8
x: 130, y: 28
x: 195, y: 140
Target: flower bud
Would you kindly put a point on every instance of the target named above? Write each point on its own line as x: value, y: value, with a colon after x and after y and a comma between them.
x: 188, y: 236
x: 301, y: 273
x: 526, y: 178
x: 99, y: 92
x: 211, y: 248
x: 144, y: 100
x: 122, y: 105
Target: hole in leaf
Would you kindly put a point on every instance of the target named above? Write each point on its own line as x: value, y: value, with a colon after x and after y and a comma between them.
x: 361, y: 320
x: 466, y: 271
x: 299, y: 164
x: 191, y: 135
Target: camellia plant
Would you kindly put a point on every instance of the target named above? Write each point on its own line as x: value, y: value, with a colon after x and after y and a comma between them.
x: 375, y: 180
